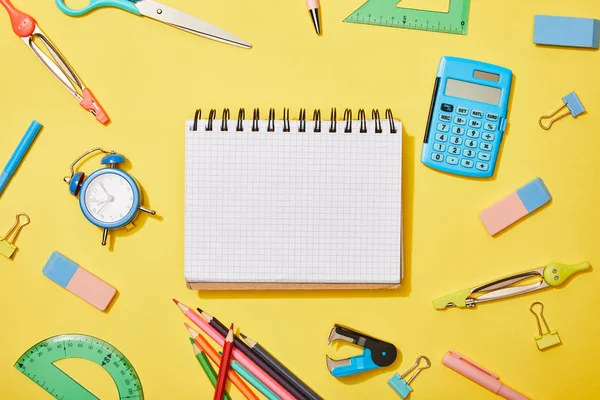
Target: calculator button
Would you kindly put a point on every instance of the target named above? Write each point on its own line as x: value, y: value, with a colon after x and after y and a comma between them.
x: 476, y: 114
x: 447, y: 107
x: 455, y: 140
x: 443, y: 127
x: 471, y: 143
x: 484, y: 156
x: 491, y: 117
x: 460, y: 120
x: 437, y: 157
x: 462, y: 110
x: 469, y: 153
x: 485, y: 146
x: 445, y: 117
x: 482, y: 166
x: 439, y: 147
x: 473, y: 123
x: 457, y: 130
x: 466, y: 163
x: 488, y: 126
x: 451, y: 160
x: 472, y: 133
x: 488, y: 136
x: 453, y: 150
x: 441, y: 137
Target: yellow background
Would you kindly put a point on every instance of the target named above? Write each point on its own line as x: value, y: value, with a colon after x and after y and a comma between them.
x: 150, y: 78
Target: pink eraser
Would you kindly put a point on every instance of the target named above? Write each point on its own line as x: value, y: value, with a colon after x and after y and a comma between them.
x: 515, y: 206
x: 78, y: 281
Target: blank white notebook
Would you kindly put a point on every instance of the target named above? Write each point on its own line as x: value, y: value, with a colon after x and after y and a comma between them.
x: 277, y: 205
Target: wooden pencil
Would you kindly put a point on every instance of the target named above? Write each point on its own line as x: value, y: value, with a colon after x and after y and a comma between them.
x: 216, y: 359
x: 224, y: 366
x: 282, y: 369
x: 205, y: 364
x: 240, y: 345
x: 265, y: 378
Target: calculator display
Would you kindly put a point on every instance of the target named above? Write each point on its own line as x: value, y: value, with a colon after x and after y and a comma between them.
x: 473, y: 91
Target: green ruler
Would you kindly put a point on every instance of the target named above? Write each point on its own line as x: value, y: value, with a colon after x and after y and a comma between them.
x: 387, y: 13
x: 37, y: 364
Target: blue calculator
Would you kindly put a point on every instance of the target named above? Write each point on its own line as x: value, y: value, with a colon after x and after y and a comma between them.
x: 467, y: 118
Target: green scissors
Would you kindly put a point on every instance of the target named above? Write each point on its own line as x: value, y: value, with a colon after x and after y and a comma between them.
x: 162, y: 13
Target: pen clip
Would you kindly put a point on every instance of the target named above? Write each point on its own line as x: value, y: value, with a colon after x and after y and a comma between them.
x: 479, y: 367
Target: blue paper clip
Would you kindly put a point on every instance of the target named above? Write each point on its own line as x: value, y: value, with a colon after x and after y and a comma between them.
x: 401, y: 386
x: 574, y: 105
x: 376, y: 354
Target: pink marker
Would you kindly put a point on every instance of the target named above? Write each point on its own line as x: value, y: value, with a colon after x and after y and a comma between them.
x: 78, y: 281
x: 313, y: 8
x: 480, y: 376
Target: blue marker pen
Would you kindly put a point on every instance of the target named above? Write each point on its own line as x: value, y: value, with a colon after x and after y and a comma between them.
x: 20, y: 151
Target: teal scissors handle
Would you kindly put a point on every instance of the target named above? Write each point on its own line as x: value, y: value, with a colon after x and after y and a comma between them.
x: 126, y: 5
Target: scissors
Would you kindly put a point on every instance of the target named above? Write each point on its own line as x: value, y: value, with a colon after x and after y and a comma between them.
x: 26, y: 28
x: 162, y: 13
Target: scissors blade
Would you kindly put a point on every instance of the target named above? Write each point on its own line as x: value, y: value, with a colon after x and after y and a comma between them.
x: 186, y: 22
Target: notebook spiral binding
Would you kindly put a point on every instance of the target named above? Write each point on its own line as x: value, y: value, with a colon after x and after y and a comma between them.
x: 316, y: 120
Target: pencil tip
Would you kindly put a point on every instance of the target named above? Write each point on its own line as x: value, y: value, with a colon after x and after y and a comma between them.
x: 243, y: 336
x: 175, y: 301
x: 199, y: 310
x: 231, y: 327
x: 192, y: 341
x: 314, y: 13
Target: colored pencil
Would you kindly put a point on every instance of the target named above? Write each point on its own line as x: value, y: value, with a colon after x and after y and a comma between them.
x: 239, y: 344
x: 282, y: 369
x: 224, y: 365
x: 216, y: 359
x: 208, y: 369
x: 251, y: 379
x: 238, y: 355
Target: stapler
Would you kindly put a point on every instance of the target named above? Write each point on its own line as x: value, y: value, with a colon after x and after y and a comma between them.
x: 376, y: 354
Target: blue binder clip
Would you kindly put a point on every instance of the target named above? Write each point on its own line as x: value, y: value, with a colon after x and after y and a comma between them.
x: 574, y: 105
x: 376, y: 354
x: 401, y: 386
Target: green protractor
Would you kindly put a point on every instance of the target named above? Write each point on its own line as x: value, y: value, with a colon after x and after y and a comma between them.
x: 389, y: 13
x: 37, y: 364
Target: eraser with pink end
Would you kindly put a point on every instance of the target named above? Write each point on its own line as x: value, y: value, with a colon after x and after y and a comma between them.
x: 515, y: 206
x: 78, y: 281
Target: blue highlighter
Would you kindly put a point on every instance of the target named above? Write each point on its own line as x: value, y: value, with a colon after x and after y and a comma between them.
x: 17, y: 157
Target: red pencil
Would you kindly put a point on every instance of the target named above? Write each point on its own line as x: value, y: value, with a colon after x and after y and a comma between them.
x: 224, y: 367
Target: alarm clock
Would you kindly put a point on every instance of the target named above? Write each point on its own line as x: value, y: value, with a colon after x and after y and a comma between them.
x: 109, y: 198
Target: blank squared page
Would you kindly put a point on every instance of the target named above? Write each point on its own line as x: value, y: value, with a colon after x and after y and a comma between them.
x: 293, y: 207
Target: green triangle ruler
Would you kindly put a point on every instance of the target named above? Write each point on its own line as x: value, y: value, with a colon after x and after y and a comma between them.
x: 388, y: 13
x: 37, y: 364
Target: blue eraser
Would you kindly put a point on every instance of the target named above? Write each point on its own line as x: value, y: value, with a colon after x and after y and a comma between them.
x: 574, y: 104
x: 534, y: 195
x: 400, y: 386
x: 60, y: 269
x: 566, y: 31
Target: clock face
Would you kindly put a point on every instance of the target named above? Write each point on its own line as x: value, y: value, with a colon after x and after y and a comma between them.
x: 109, y: 198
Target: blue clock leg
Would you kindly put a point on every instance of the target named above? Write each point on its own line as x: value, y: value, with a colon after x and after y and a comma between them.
x: 104, y: 237
x: 151, y: 212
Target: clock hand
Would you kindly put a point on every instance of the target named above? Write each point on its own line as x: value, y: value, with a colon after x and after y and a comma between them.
x: 103, y: 207
x: 103, y: 188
